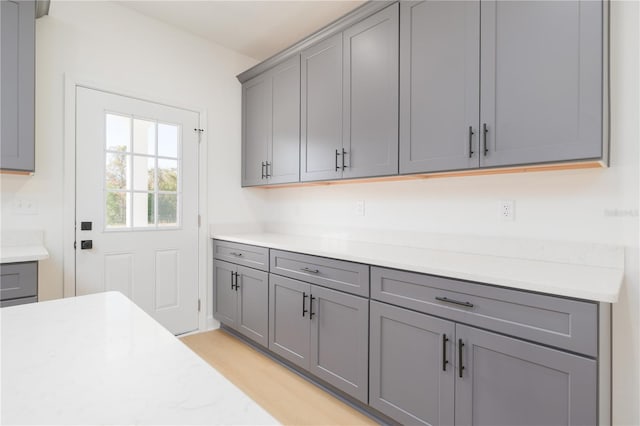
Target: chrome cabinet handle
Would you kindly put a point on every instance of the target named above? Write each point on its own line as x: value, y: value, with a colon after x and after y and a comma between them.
x: 311, y: 271
x: 454, y: 302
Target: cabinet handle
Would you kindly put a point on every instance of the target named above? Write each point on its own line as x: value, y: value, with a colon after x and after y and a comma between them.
x: 454, y: 302
x: 344, y: 154
x: 304, y: 309
x: 232, y: 275
x: 267, y: 165
x: 263, y: 174
x: 460, y: 366
x: 237, y: 274
x: 337, y: 154
x: 233, y: 253
x: 484, y: 136
x: 311, y: 271
x: 470, y: 141
x: 444, y: 352
x: 311, y: 313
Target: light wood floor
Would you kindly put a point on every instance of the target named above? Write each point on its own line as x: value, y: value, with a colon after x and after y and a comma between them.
x: 285, y: 395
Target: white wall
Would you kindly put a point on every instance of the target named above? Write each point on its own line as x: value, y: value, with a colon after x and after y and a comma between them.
x: 588, y: 205
x: 109, y: 44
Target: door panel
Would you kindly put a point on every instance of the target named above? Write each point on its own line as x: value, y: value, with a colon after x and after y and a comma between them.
x: 321, y: 110
x: 439, y: 85
x: 136, y: 182
x: 289, y: 327
x: 253, y: 306
x: 224, y: 295
x: 339, y: 341
x: 510, y: 382
x: 284, y: 149
x: 371, y: 95
x: 407, y: 379
x: 541, y: 81
x: 256, y: 129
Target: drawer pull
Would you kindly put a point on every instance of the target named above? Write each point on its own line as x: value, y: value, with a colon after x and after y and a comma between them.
x: 304, y: 309
x: 460, y: 366
x: 311, y: 271
x: 454, y: 302
x: 233, y: 253
x: 444, y: 352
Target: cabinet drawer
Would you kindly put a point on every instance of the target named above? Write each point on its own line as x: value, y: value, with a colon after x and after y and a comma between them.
x: 564, y: 323
x: 337, y: 274
x: 18, y: 280
x: 242, y: 254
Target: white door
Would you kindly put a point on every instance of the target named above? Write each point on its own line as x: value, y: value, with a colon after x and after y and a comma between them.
x: 137, y: 189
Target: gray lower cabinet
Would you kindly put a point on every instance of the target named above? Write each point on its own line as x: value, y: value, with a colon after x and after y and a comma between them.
x: 508, y: 382
x: 271, y: 126
x: 439, y: 85
x: 240, y: 299
x: 541, y: 84
x: 370, y: 102
x: 412, y: 366
x: 321, y: 330
x: 18, y: 283
x: 426, y: 370
x: 17, y: 85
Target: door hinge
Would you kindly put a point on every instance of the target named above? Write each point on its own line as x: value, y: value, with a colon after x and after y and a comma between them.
x: 198, y: 305
x: 199, y: 132
x: 199, y: 221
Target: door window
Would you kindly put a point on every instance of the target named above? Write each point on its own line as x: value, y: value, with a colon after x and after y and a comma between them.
x: 142, y: 173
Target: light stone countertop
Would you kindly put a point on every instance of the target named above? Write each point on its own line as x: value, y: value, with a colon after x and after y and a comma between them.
x: 22, y: 246
x: 99, y: 359
x: 590, y: 282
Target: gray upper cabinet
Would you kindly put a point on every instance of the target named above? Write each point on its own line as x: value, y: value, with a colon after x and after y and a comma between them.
x: 271, y: 126
x: 541, y: 84
x: 283, y: 151
x: 439, y: 85
x: 370, y: 104
x: 412, y: 366
x: 256, y: 126
x: 321, y: 111
x: 510, y: 382
x: 17, y: 91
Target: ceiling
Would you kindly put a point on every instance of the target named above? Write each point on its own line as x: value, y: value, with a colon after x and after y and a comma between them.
x: 258, y: 29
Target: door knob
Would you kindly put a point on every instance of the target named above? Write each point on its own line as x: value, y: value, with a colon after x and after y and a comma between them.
x: 86, y: 244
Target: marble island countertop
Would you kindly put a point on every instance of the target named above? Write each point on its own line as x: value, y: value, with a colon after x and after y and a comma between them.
x: 583, y: 281
x: 22, y: 246
x: 99, y: 359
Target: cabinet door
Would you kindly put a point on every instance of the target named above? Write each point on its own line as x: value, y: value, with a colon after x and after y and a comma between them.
x: 321, y: 111
x: 225, y: 303
x: 256, y: 129
x: 541, y: 81
x: 339, y: 340
x: 17, y: 85
x: 439, y: 85
x: 371, y: 95
x: 511, y: 382
x: 412, y: 368
x: 284, y: 147
x: 289, y: 324
x: 253, y: 304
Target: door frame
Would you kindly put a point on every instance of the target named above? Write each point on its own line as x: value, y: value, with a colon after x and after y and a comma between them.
x: 71, y: 83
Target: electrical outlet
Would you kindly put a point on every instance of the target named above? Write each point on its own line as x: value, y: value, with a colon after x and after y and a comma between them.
x: 508, y: 210
x: 358, y: 209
